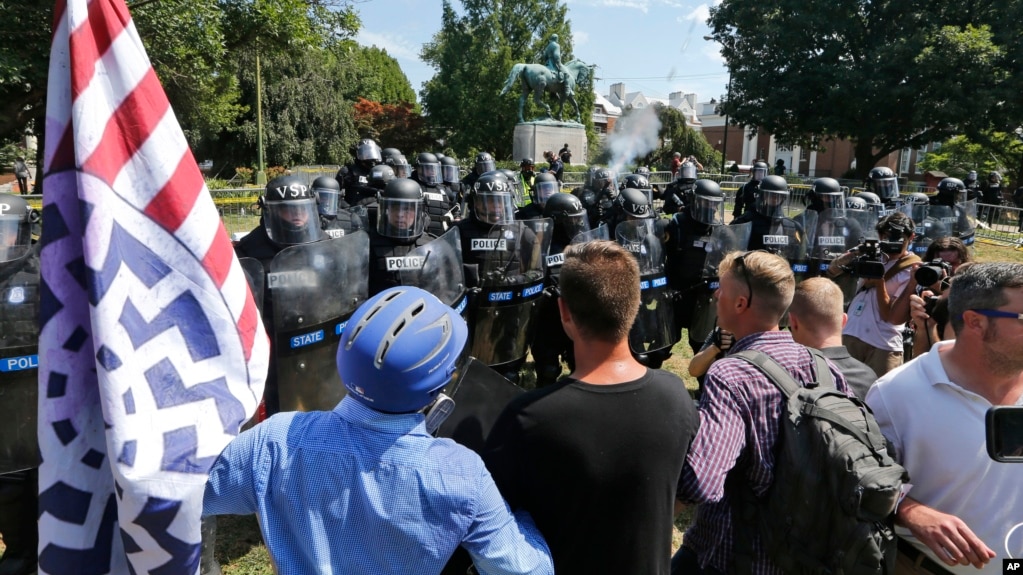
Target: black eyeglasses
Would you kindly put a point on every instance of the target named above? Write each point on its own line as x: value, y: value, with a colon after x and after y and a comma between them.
x: 745, y: 274
x: 999, y: 313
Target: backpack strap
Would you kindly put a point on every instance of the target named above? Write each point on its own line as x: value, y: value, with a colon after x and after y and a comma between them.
x: 904, y: 262
x: 780, y: 376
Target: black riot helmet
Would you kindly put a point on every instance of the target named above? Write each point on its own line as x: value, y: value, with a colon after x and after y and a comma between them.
x: 290, y: 216
x: 367, y: 153
x: 569, y: 216
x: 484, y: 163
x: 328, y: 194
x: 428, y: 169
x: 873, y: 202
x: 449, y: 170
x: 380, y: 175
x: 882, y: 181
x: 687, y: 172
x: 773, y: 196
x: 604, y: 181
x: 643, y: 171
x: 708, y: 203
x: 856, y: 203
x: 916, y: 205
x: 950, y: 192
x: 16, y: 219
x: 527, y: 162
x: 544, y: 187
x: 492, y: 199
x: 641, y: 183
x: 635, y: 203
x: 971, y: 177
x: 825, y: 194
x: 994, y: 178
x: 399, y: 165
x: 759, y: 171
x: 390, y: 154
x: 401, y: 214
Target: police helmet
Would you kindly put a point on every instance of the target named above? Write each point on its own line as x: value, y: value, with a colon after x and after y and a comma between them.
x: 635, y: 203
x: 882, y: 181
x: 484, y: 163
x: 544, y: 187
x: 708, y: 203
x: 380, y: 175
x: 916, y: 205
x: 401, y: 214
x: 569, y: 216
x: 687, y: 172
x: 643, y: 171
x: 950, y: 192
x: 994, y: 178
x: 328, y: 195
x: 604, y: 181
x: 759, y: 171
x: 400, y: 166
x: 870, y: 198
x: 290, y: 215
x: 527, y: 162
x: 368, y: 152
x: 492, y: 199
x: 773, y: 196
x: 390, y: 154
x: 855, y: 203
x: 449, y: 170
x: 428, y: 169
x: 971, y: 177
x: 825, y: 194
x: 16, y: 219
x: 399, y: 349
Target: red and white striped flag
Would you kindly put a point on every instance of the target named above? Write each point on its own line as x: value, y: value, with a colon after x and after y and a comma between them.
x: 151, y: 350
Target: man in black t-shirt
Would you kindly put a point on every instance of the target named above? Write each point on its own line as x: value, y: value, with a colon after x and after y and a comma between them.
x: 596, y: 458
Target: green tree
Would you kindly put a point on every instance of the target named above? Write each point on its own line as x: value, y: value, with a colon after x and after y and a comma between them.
x: 998, y: 152
x: 676, y: 136
x: 886, y: 75
x: 473, y: 53
x: 24, y: 64
x: 379, y: 78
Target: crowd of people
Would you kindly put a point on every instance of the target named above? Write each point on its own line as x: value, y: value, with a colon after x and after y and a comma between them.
x: 587, y: 472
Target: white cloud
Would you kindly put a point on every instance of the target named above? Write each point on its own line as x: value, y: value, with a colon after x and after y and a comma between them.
x: 700, y: 13
x: 396, y: 45
x: 641, y: 5
x: 580, y: 38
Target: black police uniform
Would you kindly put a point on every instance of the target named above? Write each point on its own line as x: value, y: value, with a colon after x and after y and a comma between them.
x: 383, y: 273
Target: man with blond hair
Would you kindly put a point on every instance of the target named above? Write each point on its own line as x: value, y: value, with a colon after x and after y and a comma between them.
x: 816, y: 320
x: 595, y: 458
x: 740, y: 412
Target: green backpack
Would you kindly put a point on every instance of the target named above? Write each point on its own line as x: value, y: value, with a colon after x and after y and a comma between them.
x: 831, y: 506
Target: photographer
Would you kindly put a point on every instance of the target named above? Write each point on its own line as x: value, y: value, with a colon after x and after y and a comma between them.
x: 874, y: 331
x: 923, y: 301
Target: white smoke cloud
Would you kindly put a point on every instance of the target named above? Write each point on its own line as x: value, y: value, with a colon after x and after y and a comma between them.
x: 635, y: 135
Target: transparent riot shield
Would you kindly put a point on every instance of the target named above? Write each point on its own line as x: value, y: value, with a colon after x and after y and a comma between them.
x: 837, y: 232
x: 480, y: 395
x: 721, y: 241
x: 437, y: 268
x: 598, y: 233
x: 940, y: 223
x: 19, y: 364
x: 511, y: 285
x: 315, y: 288
x: 256, y: 279
x: 554, y: 261
x: 966, y: 223
x: 654, y: 327
x: 791, y: 241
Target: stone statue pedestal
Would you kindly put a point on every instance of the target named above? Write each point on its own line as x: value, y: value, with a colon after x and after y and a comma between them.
x: 532, y: 138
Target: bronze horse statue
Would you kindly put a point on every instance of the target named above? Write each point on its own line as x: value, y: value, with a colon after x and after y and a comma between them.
x: 539, y: 79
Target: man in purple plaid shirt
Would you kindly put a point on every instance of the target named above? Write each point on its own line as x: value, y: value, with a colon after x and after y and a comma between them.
x: 739, y: 415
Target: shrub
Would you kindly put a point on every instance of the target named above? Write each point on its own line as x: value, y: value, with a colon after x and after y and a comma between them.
x: 244, y: 174
x: 274, y: 171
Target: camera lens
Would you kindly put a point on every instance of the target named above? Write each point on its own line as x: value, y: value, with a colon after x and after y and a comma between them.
x: 928, y: 275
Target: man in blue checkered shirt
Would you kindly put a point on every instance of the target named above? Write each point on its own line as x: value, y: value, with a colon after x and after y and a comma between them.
x: 739, y: 413
x: 364, y: 488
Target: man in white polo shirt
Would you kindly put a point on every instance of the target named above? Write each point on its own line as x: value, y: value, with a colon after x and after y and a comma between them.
x: 964, y: 510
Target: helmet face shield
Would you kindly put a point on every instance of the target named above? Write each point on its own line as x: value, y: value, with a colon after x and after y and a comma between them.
x: 574, y: 224
x: 687, y: 172
x: 449, y: 174
x: 759, y: 173
x: 402, y: 169
x: 292, y: 222
x: 545, y: 190
x: 708, y: 210
x: 484, y: 166
x: 15, y: 237
x: 367, y: 151
x: 832, y: 201
x: 429, y: 173
x: 496, y: 207
x: 772, y: 202
x: 887, y: 188
x: 401, y: 218
x: 327, y: 200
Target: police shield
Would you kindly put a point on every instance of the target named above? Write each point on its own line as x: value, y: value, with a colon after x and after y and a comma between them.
x: 480, y: 394
x: 654, y: 327
x: 792, y: 241
x: 966, y: 223
x: 256, y: 279
x: 722, y: 241
x: 837, y: 232
x: 436, y: 268
x: 19, y: 363
x: 511, y: 285
x: 314, y: 287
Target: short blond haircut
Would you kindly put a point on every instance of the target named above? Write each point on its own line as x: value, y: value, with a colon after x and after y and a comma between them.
x: 599, y: 283
x: 818, y: 304
x: 768, y: 277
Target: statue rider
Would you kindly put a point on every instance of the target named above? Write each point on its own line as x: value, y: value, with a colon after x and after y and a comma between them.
x: 552, y: 59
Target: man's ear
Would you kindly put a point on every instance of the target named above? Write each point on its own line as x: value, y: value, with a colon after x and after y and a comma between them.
x: 845, y: 319
x: 793, y: 322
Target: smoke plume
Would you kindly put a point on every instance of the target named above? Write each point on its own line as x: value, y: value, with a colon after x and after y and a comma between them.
x: 635, y: 135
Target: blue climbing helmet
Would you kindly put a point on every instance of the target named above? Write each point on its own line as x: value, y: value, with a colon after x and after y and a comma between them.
x: 400, y: 349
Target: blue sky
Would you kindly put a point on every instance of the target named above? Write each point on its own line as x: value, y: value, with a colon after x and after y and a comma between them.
x: 655, y: 46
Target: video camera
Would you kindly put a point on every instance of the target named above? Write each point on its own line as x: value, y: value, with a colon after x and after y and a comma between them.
x: 932, y: 272
x: 867, y: 263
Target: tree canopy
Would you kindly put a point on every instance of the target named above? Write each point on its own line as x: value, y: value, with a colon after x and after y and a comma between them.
x: 887, y: 75
x: 473, y: 53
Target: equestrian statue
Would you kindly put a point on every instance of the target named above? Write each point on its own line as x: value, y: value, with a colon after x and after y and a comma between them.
x: 552, y: 77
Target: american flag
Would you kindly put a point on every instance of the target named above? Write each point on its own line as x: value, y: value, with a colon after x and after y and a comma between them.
x: 152, y: 353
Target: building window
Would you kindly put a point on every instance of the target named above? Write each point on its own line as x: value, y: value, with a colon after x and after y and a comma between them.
x: 921, y: 153
x: 904, y: 160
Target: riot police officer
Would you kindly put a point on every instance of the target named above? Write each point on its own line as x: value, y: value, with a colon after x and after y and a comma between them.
x: 598, y: 195
x: 484, y: 163
x: 19, y: 340
x: 354, y: 177
x: 676, y: 194
x: 874, y: 203
x: 451, y: 177
x: 882, y: 181
x: 544, y: 187
x: 336, y: 219
x: 824, y: 194
x: 747, y: 194
x: 973, y: 191
x: 489, y: 203
x: 400, y: 228
x: 768, y: 215
x: 951, y: 207
x: 633, y: 202
x: 435, y: 196
x: 550, y: 343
